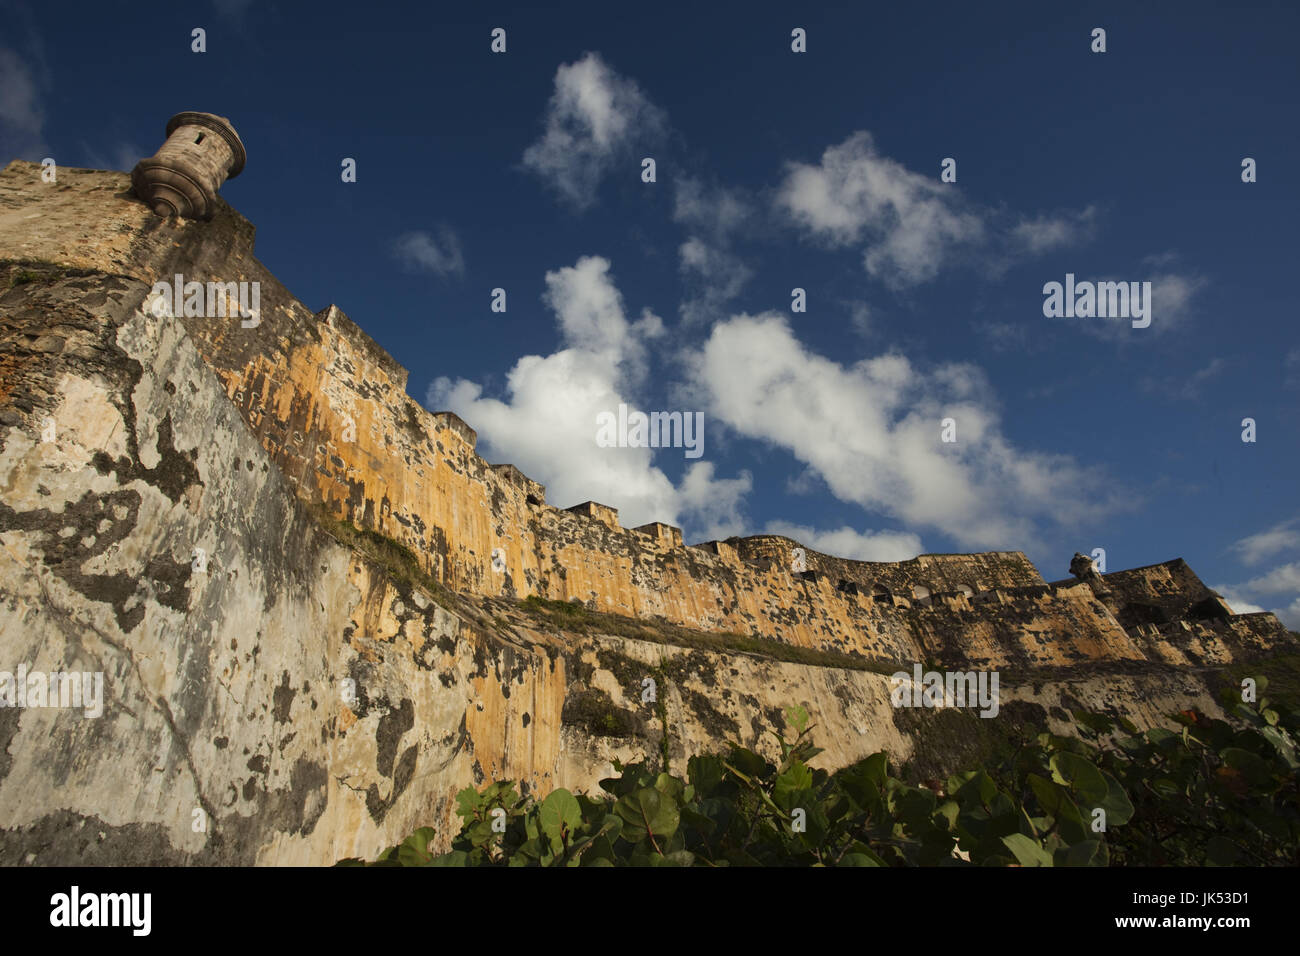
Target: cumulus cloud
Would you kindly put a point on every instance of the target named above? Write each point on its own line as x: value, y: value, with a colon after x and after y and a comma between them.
x: 848, y: 542
x: 909, y: 224
x: 1280, y: 580
x: 546, y: 425
x: 1242, y: 601
x: 716, y: 504
x: 593, y: 119
x: 22, y: 116
x: 1256, y: 547
x: 420, y: 251
x: 1277, y: 590
x: 872, y: 432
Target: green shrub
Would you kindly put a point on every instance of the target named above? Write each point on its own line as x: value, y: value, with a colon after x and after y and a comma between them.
x: 1210, y: 792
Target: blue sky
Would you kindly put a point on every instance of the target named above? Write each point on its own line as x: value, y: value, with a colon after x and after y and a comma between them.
x: 777, y: 170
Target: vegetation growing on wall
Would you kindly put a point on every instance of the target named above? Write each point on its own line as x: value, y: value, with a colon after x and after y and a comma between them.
x: 398, y: 561
x: 1202, y: 791
x: 578, y: 619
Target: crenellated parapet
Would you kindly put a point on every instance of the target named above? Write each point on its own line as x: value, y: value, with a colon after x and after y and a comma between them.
x: 329, y: 405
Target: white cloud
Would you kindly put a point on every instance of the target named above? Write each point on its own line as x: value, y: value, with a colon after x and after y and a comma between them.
x: 1263, y: 591
x: 1041, y: 234
x: 871, y: 431
x: 1264, y: 544
x: 590, y: 313
x: 910, y: 222
x: 1290, y: 615
x: 716, y: 504
x: 807, y: 482
x: 1171, y: 296
x: 846, y: 542
x: 1278, y: 581
x: 1171, y: 304
x: 22, y: 117
x: 593, y: 118
x: 422, y: 252
x: 547, y: 424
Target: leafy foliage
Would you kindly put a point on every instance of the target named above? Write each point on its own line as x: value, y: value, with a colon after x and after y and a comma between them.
x: 1212, y: 791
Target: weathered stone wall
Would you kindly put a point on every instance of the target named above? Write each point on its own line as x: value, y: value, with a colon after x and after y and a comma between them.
x: 330, y: 407
x: 224, y: 697
x: 225, y: 687
x: 1158, y: 594
x: 1209, y: 643
x: 936, y: 572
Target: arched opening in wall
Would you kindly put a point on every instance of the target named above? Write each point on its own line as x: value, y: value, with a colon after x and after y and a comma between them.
x: 198, y: 139
x: 880, y: 594
x: 848, y: 587
x: 922, y: 595
x: 535, y: 501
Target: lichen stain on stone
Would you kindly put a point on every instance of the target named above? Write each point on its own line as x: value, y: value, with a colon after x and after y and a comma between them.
x: 247, y: 438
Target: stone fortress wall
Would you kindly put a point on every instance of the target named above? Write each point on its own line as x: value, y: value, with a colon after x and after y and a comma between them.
x: 222, y: 687
x: 330, y: 407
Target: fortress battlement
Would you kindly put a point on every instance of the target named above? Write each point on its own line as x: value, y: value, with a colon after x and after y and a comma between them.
x: 174, y: 530
x: 330, y: 406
